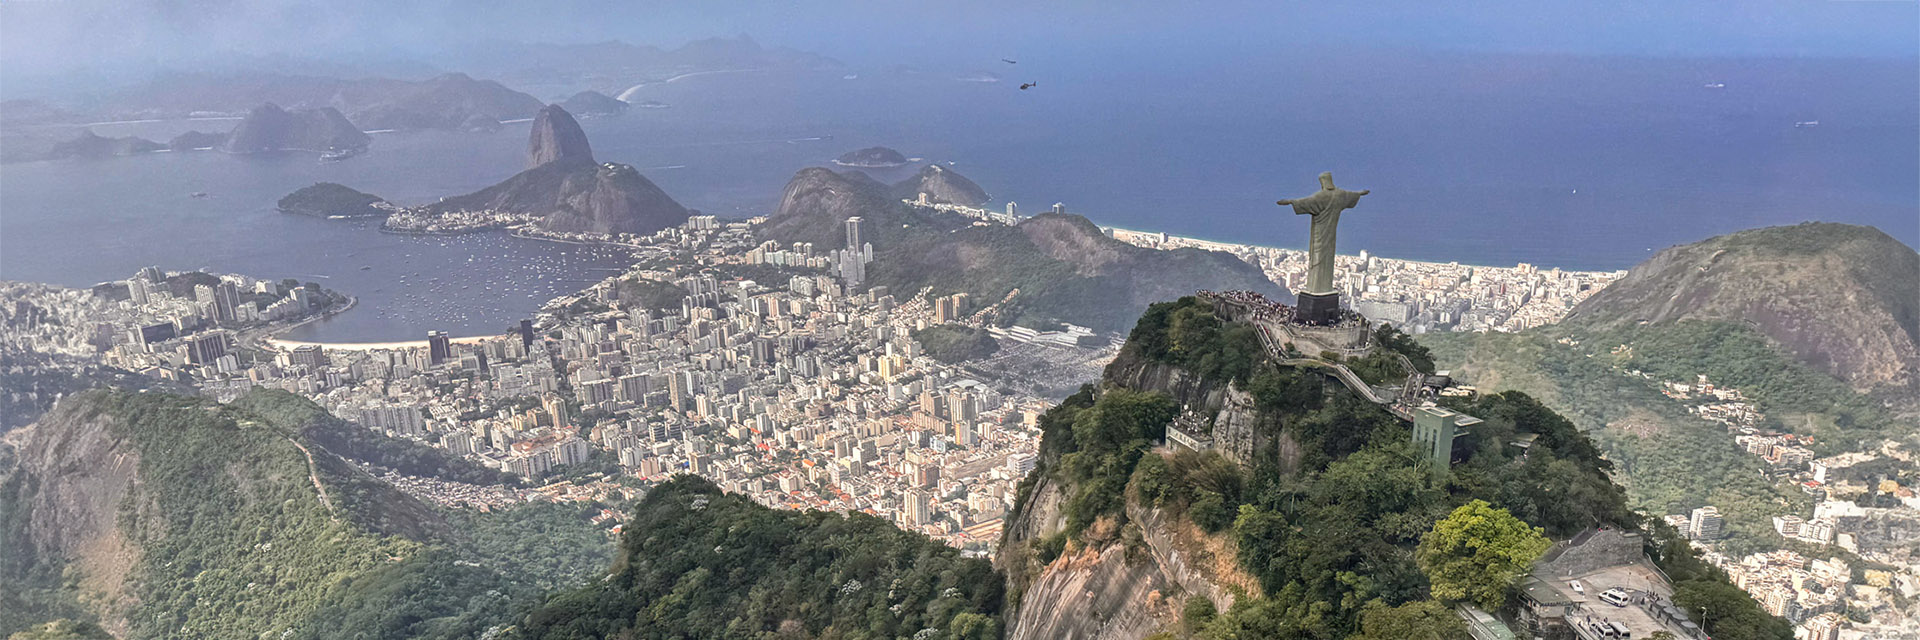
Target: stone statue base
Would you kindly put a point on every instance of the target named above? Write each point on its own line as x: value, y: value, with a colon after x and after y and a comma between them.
x: 1318, y: 308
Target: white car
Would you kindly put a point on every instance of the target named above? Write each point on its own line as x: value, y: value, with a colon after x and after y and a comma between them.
x: 1577, y: 587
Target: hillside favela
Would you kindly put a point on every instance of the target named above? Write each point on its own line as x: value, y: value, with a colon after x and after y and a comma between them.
x: 976, y: 321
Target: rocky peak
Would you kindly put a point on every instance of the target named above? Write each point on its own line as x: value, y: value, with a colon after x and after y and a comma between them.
x: 557, y: 137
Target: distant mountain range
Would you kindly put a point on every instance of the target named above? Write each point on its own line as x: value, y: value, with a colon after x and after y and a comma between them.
x: 1064, y: 267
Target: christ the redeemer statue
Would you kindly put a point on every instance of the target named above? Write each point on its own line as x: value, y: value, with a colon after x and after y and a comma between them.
x: 1319, y: 303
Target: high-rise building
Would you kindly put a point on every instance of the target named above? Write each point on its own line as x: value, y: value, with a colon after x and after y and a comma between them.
x: 557, y: 407
x: 917, y: 508
x: 1013, y: 210
x: 138, y: 292
x: 633, y: 388
x: 310, y: 356
x: 220, y: 301
x: 1705, y: 524
x: 570, y: 451
x: 1020, y: 464
x: 207, y: 347
x: 853, y: 234
x: 439, y: 348
x: 526, y: 333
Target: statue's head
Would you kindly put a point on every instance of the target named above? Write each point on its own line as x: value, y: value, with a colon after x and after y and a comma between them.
x: 1326, y: 181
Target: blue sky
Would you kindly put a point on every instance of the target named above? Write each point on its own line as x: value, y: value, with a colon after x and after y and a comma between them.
x: 38, y: 36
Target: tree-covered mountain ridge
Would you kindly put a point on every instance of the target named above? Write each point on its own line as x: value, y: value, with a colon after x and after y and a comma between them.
x: 1840, y: 298
x: 159, y: 516
x: 1753, y: 312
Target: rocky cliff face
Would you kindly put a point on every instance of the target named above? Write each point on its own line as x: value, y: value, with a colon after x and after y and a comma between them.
x: 271, y: 128
x: 557, y: 137
x: 1841, y: 298
x: 69, y: 477
x: 614, y: 198
x: 942, y: 185
x: 1114, y: 593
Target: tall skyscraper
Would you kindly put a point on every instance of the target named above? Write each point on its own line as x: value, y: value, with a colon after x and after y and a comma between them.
x: 138, y: 292
x: 526, y: 333
x: 917, y: 508
x: 853, y: 233
x: 1013, y: 210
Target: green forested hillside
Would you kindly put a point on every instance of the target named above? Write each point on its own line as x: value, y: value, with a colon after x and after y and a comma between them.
x: 230, y: 524
x: 699, y: 563
x: 1669, y: 460
x: 1332, y: 545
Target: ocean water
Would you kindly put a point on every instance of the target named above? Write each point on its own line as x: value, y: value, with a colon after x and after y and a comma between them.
x: 1571, y: 162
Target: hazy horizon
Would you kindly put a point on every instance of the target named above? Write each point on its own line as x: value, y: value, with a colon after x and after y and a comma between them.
x: 85, y: 41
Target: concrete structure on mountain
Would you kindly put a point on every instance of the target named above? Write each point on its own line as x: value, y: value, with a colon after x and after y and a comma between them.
x: 1320, y: 302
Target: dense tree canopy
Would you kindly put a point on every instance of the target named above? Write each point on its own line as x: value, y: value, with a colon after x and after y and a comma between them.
x: 703, y: 564
x: 1477, y: 552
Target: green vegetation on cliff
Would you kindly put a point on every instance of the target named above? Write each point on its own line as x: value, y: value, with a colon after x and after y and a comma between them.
x: 1330, y: 516
x: 956, y: 343
x: 1670, y: 460
x: 699, y: 563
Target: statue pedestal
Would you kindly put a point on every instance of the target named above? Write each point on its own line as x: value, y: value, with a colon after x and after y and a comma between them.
x: 1318, y: 308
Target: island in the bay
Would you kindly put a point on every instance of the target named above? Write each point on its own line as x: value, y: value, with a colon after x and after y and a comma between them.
x: 872, y: 158
x: 334, y: 200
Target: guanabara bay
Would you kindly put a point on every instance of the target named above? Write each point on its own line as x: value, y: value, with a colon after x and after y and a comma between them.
x: 595, y: 320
